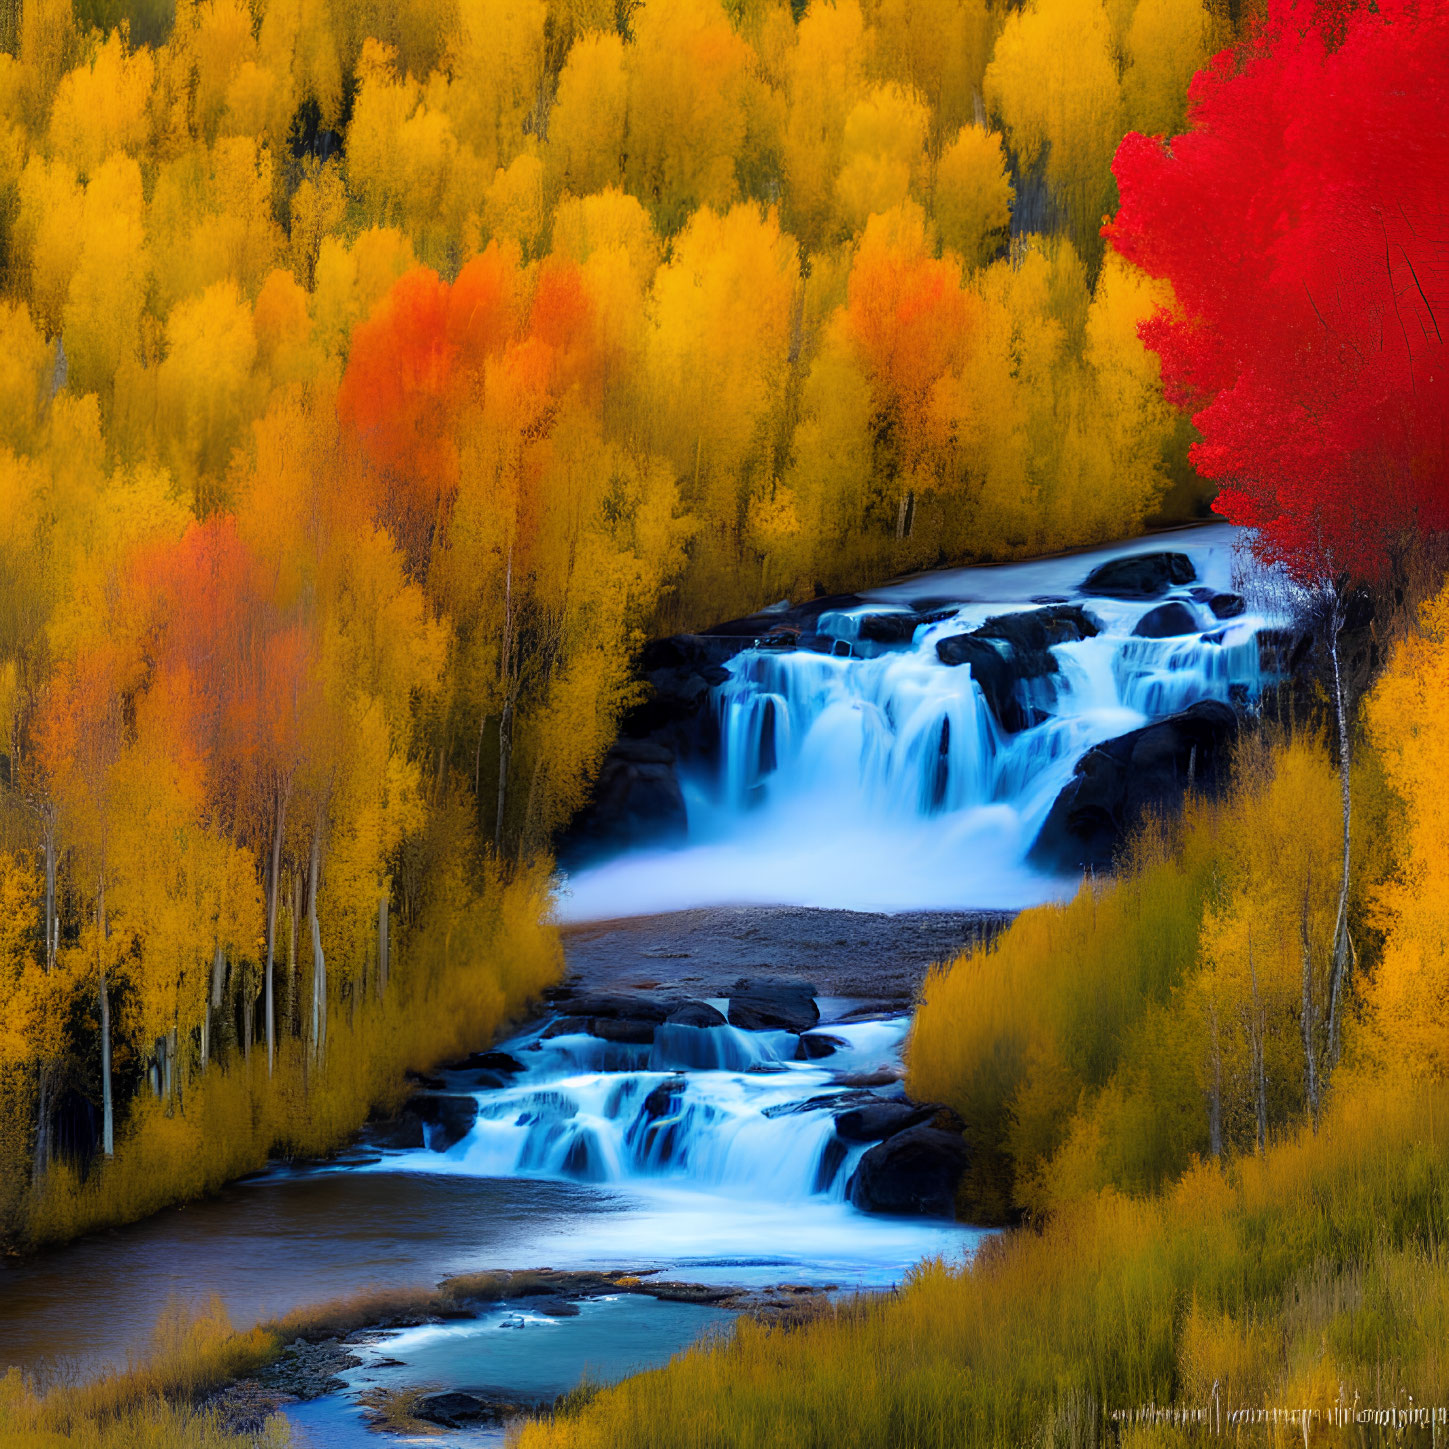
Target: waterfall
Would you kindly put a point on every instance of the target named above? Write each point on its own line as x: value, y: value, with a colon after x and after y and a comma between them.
x: 853, y: 773
x: 716, y: 1109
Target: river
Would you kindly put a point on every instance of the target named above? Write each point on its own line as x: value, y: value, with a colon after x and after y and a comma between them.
x: 848, y: 786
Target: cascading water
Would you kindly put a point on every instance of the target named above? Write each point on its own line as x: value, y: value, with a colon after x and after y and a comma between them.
x: 878, y: 777
x: 716, y: 1150
x: 717, y: 1108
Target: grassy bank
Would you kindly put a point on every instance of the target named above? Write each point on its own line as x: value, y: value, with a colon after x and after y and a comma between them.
x: 1314, y: 1265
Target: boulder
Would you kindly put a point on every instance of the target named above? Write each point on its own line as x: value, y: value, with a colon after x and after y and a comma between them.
x: 623, y: 1030
x: 492, y: 1061
x: 450, y: 1409
x: 1115, y: 783
x: 1227, y: 606
x: 620, y: 1005
x: 914, y: 1172
x: 763, y: 1005
x: 888, y: 628
x: 1014, y: 647
x: 450, y: 1119
x: 1167, y: 621
x: 636, y: 796
x: 696, y: 1013
x: 816, y: 1045
x: 875, y: 1121
x: 403, y: 1130
x: 1140, y: 575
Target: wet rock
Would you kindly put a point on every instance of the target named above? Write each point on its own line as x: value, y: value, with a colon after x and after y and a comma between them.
x: 636, y: 796
x: 816, y: 1045
x: 762, y: 1005
x: 621, y: 1005
x: 450, y: 1409
x: 402, y: 1131
x: 913, y: 1173
x: 1140, y: 576
x: 1032, y: 632
x: 554, y: 1307
x: 449, y: 1119
x: 663, y: 1101
x: 1116, y: 783
x: 875, y: 1121
x: 1166, y: 621
x: 624, y: 1031
x: 888, y: 628
x: 423, y: 1080
x: 1227, y: 606
x: 566, y: 1026
x: 1012, y: 648
x: 696, y: 1013
x: 882, y: 1076
x: 832, y: 1155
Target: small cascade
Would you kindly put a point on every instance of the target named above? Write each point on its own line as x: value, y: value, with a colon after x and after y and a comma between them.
x: 716, y: 1109
x: 875, y: 775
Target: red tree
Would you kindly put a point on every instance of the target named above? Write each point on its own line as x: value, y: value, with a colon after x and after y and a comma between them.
x: 1303, y: 223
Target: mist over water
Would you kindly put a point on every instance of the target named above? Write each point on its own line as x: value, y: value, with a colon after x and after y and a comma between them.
x: 885, y: 783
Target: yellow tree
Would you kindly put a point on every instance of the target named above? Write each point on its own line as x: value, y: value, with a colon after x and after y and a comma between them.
x: 718, y: 355
x: 1167, y: 44
x: 824, y: 81
x: 586, y: 126
x: 973, y: 196
x: 1053, y: 81
x: 882, y: 152
x: 688, y: 71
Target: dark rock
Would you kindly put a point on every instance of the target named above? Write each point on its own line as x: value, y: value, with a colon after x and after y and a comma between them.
x: 914, y: 1172
x: 426, y: 1082
x: 636, y: 796
x: 1227, y: 606
x: 880, y: 1077
x: 622, y: 1030
x: 1116, y: 783
x: 403, y: 1131
x: 450, y: 1409
x: 696, y: 1013
x: 1140, y: 576
x: 449, y: 1118
x: 493, y: 1061
x: 566, y: 1026
x: 831, y: 1157
x: 1032, y: 632
x: 623, y: 1006
x: 487, y: 1081
x: 1166, y: 621
x: 877, y: 1120
x: 554, y: 1307
x: 1011, y: 648
x: 888, y: 628
x: 816, y: 1045
x: 663, y: 1101
x: 759, y: 1005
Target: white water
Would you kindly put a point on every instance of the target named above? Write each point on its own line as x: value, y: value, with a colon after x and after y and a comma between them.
x: 886, y: 784
x: 711, y: 1170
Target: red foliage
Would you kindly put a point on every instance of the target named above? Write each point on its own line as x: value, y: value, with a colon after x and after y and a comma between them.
x: 1303, y: 223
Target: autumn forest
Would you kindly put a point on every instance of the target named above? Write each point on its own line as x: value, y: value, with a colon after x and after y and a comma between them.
x: 377, y: 381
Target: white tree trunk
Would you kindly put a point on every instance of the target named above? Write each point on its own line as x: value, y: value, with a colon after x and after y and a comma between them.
x: 319, y: 962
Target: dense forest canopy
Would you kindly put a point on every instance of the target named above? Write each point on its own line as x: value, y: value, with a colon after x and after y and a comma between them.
x: 375, y: 377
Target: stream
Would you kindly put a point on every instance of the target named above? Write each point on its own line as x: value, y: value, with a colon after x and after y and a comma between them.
x: 848, y: 783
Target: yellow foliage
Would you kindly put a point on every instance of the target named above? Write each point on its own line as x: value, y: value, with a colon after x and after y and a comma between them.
x: 973, y: 195
x: 102, y: 107
x: 881, y: 150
